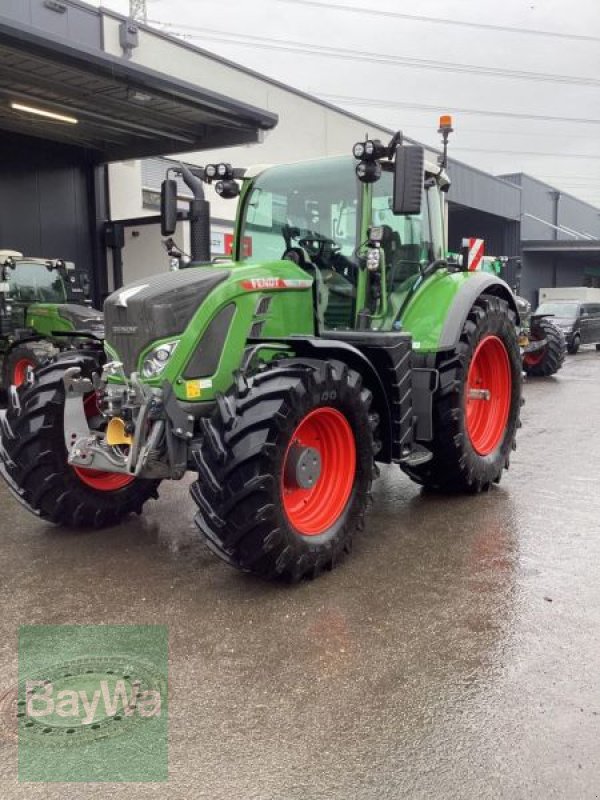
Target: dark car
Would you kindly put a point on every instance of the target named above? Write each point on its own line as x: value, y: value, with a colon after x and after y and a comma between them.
x: 580, y: 321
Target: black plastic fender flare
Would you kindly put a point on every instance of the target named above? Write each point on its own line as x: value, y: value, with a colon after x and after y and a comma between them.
x: 480, y: 283
x: 324, y: 349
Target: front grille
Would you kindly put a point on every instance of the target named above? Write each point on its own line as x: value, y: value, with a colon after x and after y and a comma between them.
x: 157, y: 308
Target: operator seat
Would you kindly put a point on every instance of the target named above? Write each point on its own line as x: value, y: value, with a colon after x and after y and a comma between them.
x: 402, y: 260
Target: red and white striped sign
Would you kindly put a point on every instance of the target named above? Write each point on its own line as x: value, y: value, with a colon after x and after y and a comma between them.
x: 475, y: 249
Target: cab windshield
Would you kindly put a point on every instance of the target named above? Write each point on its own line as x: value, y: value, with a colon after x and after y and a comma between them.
x: 311, y: 205
x: 32, y: 282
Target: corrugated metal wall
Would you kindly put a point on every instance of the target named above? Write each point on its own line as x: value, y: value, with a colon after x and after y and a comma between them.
x: 479, y: 190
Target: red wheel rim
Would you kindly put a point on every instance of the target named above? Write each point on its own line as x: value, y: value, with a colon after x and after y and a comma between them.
x: 313, y: 511
x: 95, y: 478
x: 531, y: 359
x: 489, y: 389
x: 20, y: 370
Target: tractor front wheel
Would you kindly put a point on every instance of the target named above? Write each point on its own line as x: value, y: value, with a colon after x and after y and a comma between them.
x: 549, y: 360
x: 476, y: 406
x: 573, y: 346
x: 285, y: 468
x: 23, y: 357
x: 33, y: 454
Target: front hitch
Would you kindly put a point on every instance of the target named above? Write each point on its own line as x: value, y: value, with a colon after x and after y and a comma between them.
x: 146, y: 433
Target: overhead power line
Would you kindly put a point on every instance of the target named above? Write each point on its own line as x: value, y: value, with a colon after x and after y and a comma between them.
x: 529, y: 153
x: 375, y: 103
x: 376, y: 12
x: 267, y: 43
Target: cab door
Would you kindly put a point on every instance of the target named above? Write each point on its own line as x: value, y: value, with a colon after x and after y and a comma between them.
x: 595, y: 322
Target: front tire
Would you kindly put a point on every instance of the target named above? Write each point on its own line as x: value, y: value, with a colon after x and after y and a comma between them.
x: 548, y: 361
x: 574, y: 345
x: 261, y: 509
x: 476, y: 407
x: 22, y: 357
x: 33, y: 455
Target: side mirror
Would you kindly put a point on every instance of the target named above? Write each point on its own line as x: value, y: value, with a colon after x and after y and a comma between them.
x: 168, y: 207
x: 408, y: 179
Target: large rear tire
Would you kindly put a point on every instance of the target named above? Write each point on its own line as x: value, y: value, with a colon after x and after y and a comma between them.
x: 285, y: 468
x: 33, y: 455
x: 476, y: 407
x: 548, y: 361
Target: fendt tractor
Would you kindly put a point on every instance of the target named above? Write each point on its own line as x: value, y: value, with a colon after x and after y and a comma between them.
x: 543, y: 343
x: 43, y: 309
x: 337, y: 338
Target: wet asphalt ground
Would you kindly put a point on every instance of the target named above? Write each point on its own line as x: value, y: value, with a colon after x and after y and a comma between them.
x: 455, y: 654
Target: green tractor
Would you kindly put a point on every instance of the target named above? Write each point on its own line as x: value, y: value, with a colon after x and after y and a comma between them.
x: 43, y: 310
x: 338, y: 337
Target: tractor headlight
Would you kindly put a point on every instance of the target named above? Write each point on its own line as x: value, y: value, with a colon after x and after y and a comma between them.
x: 156, y: 360
x: 358, y: 150
x: 210, y: 171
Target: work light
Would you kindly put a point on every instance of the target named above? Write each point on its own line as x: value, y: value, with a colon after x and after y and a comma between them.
x: 368, y: 171
x: 227, y: 189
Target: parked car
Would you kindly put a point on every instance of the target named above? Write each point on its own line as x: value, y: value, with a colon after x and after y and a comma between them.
x: 580, y: 322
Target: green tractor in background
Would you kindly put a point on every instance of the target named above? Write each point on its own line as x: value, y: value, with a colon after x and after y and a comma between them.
x: 339, y: 337
x: 542, y: 342
x: 43, y: 309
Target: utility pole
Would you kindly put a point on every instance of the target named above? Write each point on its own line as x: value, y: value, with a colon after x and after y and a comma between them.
x: 138, y: 10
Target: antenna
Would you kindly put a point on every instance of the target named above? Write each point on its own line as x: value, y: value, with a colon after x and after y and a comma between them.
x: 138, y: 10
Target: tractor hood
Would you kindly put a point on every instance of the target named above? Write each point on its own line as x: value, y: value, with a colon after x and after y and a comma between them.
x: 83, y: 318
x: 156, y: 308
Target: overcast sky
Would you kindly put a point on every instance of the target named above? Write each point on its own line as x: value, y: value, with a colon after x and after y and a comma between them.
x: 521, y: 77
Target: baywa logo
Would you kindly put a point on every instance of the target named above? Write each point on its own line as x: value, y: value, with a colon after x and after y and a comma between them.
x: 93, y: 717
x: 90, y: 698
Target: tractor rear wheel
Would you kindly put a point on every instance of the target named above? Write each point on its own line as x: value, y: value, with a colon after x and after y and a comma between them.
x: 23, y: 357
x: 543, y: 363
x: 285, y: 468
x: 476, y: 407
x: 33, y: 455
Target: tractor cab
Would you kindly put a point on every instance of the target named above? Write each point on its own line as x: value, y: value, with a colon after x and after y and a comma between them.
x: 363, y: 252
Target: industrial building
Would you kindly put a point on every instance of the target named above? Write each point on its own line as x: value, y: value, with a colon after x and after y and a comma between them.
x: 87, y: 191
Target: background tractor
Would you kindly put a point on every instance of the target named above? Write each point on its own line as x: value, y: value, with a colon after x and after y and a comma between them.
x: 339, y: 337
x: 43, y: 303
x: 542, y: 342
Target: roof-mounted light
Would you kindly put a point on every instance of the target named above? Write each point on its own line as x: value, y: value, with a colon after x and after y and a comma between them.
x: 446, y: 123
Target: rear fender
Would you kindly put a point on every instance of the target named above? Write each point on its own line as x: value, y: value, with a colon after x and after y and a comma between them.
x: 480, y: 283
